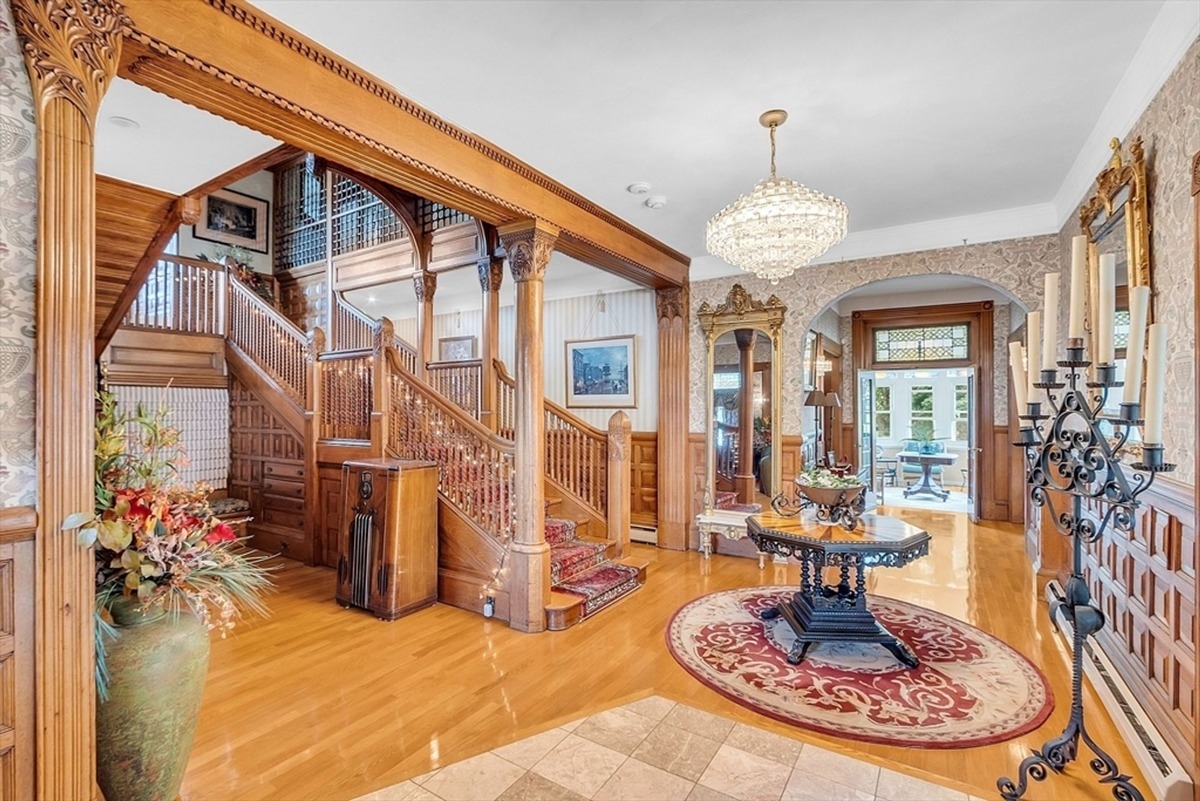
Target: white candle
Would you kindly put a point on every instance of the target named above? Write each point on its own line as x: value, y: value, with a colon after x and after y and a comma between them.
x: 1050, y: 322
x: 1106, y: 314
x: 1156, y: 383
x: 1139, y: 309
x: 1078, y: 287
x: 1017, y: 363
x: 1033, y: 346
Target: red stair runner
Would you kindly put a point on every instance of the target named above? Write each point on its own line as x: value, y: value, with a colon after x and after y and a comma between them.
x: 580, y: 567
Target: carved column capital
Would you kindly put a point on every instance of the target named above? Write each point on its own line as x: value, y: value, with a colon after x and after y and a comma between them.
x: 671, y: 302
x: 529, y: 245
x: 425, y: 285
x: 71, y: 48
x: 491, y: 273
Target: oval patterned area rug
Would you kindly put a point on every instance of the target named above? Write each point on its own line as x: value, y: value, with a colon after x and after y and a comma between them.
x: 970, y: 689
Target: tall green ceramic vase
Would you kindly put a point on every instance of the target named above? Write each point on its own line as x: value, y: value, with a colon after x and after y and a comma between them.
x: 144, y: 731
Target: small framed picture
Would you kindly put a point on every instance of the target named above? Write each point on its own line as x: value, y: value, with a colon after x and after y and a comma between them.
x: 601, y: 373
x: 232, y: 218
x: 456, y: 349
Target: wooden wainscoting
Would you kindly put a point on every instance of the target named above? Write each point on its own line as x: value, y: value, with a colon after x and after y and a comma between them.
x: 1146, y: 586
x: 303, y: 296
x: 18, y: 526
x: 643, y: 484
x: 994, y: 482
x: 156, y: 358
x: 267, y: 468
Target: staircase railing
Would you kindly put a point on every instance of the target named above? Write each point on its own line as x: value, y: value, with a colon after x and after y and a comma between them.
x: 347, y: 394
x: 272, y: 341
x: 459, y: 382
x: 352, y: 330
x: 181, y: 295
x: 476, y: 466
x: 576, y: 453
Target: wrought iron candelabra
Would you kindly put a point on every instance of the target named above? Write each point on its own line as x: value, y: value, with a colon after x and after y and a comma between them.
x: 1069, y: 454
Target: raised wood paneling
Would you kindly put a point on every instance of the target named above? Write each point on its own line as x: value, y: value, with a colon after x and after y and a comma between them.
x: 643, y: 475
x: 303, y: 298
x: 154, y: 359
x: 17, y: 527
x: 393, y: 261
x: 128, y: 217
x: 456, y: 245
x: 1145, y: 583
x: 267, y: 468
x: 329, y: 487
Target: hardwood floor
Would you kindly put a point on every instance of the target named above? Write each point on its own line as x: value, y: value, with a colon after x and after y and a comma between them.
x: 319, y: 702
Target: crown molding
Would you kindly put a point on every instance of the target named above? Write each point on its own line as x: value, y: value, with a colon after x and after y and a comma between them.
x: 991, y: 226
x: 1173, y: 31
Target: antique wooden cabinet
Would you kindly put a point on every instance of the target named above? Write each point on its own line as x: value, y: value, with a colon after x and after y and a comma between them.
x: 387, y: 552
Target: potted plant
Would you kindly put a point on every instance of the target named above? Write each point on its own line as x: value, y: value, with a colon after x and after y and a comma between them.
x: 167, y: 572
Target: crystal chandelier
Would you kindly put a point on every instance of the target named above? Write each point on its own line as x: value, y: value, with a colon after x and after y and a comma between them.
x: 780, y: 226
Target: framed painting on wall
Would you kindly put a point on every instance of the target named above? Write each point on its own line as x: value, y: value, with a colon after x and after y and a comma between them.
x: 601, y: 373
x: 232, y: 218
x: 456, y: 349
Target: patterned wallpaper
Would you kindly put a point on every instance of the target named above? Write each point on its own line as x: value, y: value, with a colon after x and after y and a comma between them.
x: 18, y: 269
x: 1015, y: 266
x: 1170, y: 129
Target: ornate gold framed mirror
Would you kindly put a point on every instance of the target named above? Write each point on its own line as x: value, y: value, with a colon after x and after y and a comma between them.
x: 1116, y: 221
x: 744, y: 345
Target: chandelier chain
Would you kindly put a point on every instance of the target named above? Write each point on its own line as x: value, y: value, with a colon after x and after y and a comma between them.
x: 773, y: 127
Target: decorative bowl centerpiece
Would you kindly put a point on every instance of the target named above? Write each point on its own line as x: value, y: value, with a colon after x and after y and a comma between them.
x: 837, y: 499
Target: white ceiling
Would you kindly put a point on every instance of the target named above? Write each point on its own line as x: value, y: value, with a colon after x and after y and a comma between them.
x: 934, y: 121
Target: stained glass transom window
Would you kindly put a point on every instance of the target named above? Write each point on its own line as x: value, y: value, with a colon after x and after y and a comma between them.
x: 1121, y: 329
x: 921, y: 344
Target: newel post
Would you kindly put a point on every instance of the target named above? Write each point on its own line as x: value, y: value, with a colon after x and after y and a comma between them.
x: 71, y: 48
x: 381, y: 390
x: 620, y: 443
x: 315, y: 514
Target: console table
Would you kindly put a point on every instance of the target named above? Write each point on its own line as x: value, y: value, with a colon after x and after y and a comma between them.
x: 927, y: 460
x: 822, y: 612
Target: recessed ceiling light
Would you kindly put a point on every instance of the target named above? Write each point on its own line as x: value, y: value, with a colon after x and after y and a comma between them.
x: 656, y: 201
x: 640, y: 188
x: 124, y: 122
x: 371, y: 299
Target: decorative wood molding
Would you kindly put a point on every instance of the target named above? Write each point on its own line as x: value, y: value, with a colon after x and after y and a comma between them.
x: 358, y: 120
x: 491, y: 273
x: 72, y: 48
x: 17, y: 524
x: 671, y: 302
x: 529, y: 245
x: 425, y: 286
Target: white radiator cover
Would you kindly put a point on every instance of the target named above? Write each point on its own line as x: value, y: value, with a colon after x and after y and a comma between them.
x: 202, y: 417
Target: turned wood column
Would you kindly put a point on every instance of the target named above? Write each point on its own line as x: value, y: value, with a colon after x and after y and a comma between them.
x: 71, y: 50
x: 491, y: 274
x: 674, y: 470
x: 425, y: 285
x: 529, y: 244
x: 743, y: 480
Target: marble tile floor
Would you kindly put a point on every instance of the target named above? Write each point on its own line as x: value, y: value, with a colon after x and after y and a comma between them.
x: 657, y: 750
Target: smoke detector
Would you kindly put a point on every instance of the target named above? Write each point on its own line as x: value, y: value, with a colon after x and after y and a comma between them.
x: 639, y: 188
x: 656, y: 201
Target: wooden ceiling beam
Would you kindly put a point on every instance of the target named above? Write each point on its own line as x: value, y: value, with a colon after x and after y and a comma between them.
x: 265, y: 161
x: 238, y: 63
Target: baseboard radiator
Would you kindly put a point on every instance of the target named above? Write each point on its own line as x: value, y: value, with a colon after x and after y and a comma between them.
x: 1166, y: 775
